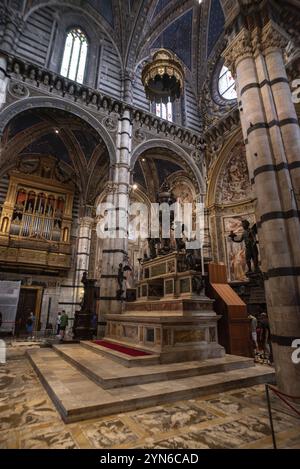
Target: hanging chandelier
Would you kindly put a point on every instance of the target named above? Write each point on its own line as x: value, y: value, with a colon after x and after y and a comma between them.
x: 163, y: 78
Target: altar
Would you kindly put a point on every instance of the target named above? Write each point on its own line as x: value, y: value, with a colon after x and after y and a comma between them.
x: 172, y: 317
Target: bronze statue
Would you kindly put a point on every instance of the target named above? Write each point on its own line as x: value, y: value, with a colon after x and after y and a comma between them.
x: 165, y: 199
x: 178, y: 233
x: 249, y: 238
x: 152, y: 247
x: 120, y: 290
x: 120, y: 279
x: 193, y: 260
x: 84, y: 280
x: 197, y: 284
x: 190, y: 260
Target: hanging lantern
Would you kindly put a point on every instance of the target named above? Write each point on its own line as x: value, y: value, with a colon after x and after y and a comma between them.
x: 163, y: 78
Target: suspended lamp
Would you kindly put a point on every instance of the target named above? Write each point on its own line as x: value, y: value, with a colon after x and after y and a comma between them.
x: 163, y: 78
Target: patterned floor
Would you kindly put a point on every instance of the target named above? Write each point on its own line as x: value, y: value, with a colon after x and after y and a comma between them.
x: 234, y: 419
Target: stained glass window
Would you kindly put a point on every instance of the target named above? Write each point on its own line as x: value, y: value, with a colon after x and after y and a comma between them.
x: 164, y: 110
x: 75, y: 55
x: 227, y: 84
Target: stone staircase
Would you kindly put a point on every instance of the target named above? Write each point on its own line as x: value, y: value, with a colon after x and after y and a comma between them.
x: 85, y: 382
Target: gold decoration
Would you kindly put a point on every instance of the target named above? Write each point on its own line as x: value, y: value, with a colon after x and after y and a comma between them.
x: 36, y: 232
x: 163, y: 78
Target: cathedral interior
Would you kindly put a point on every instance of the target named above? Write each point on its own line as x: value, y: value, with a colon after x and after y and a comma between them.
x: 115, y: 339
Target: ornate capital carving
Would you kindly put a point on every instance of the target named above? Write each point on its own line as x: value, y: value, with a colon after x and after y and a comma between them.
x: 10, y: 16
x: 127, y: 75
x: 239, y: 48
x: 247, y: 44
x: 110, y: 187
x: 273, y: 38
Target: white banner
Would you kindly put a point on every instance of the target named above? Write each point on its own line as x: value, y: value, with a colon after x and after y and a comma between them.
x: 9, y: 298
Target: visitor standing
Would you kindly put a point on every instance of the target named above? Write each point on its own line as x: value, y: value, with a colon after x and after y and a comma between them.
x: 253, y: 327
x: 266, y: 338
x: 30, y: 325
x: 58, y: 323
x: 94, y: 323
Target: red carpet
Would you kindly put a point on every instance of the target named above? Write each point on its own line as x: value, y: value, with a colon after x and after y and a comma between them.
x: 121, y: 348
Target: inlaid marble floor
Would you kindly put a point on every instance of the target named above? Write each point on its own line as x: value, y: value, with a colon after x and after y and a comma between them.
x: 234, y: 419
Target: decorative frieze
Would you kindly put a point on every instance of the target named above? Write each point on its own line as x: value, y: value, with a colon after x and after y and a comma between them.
x: 46, y: 82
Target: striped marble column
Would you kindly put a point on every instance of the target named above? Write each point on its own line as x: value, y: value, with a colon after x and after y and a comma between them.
x: 3, y: 80
x: 127, y: 79
x: 251, y: 57
x: 107, y: 271
x: 83, y: 251
x: 116, y: 246
x: 285, y: 112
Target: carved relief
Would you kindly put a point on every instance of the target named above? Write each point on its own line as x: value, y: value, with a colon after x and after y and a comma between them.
x: 234, y: 185
x: 17, y: 90
x: 46, y: 167
x: 240, y: 47
x: 140, y: 136
x: 272, y: 37
x: 111, y: 123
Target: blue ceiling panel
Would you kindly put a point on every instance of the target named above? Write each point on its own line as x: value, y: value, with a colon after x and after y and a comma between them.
x: 216, y: 25
x: 178, y: 38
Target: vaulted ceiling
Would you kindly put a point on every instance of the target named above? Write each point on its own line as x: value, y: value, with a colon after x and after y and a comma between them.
x: 79, y: 150
x: 136, y: 27
x: 192, y: 30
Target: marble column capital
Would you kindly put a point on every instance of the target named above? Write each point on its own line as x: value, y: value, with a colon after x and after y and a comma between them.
x: 110, y: 188
x: 272, y: 38
x: 239, y: 48
x: 86, y: 222
x: 248, y: 44
x: 127, y: 75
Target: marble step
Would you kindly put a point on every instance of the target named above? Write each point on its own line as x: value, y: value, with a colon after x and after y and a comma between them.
x: 119, y: 357
x: 78, y: 398
x: 109, y: 374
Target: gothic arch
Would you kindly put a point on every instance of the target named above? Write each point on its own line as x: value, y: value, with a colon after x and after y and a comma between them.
x: 45, y: 102
x: 168, y: 144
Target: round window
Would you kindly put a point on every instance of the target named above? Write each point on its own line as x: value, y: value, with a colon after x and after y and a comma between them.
x: 226, y: 84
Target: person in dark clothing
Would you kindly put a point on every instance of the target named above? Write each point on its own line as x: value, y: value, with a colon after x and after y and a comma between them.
x: 94, y: 323
x: 30, y: 326
x: 265, y: 337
